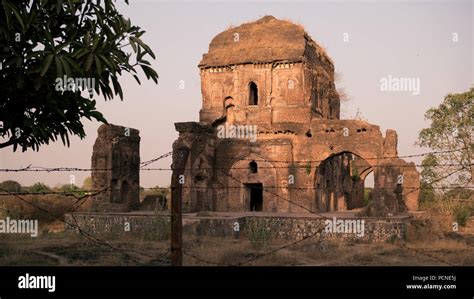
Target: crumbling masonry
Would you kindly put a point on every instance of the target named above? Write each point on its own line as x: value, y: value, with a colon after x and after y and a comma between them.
x: 116, y: 169
x: 270, y: 76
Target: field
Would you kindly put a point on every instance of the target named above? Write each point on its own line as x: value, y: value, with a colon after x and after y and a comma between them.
x: 54, y: 247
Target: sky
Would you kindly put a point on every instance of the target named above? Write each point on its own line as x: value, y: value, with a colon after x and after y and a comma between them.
x: 431, y: 42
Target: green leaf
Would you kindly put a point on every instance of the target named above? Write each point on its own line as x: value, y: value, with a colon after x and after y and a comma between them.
x: 89, y: 61
x: 78, y: 54
x: 98, y: 65
x: 117, y: 88
x: 46, y: 65
x: 66, y: 67
x: 136, y: 78
x: 97, y: 115
x: 96, y: 42
x: 133, y: 43
x: 59, y: 67
x: 150, y: 73
x: 72, y: 63
x: 16, y: 13
x: 104, y: 59
x: 144, y: 46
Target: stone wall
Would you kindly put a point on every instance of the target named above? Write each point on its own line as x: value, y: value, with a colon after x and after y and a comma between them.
x: 279, y: 226
x: 217, y: 170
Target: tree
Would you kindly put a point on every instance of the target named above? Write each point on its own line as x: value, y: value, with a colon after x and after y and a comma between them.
x: 10, y: 186
x: 39, y: 187
x: 54, y: 55
x: 451, y: 134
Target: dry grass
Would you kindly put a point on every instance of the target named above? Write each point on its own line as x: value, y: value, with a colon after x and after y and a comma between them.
x: 62, y: 249
x: 31, y: 208
x: 428, y: 240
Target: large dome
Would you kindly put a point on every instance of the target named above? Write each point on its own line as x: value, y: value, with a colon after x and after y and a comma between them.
x: 265, y: 40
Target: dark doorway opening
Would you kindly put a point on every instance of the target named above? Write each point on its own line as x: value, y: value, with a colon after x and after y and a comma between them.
x: 255, y: 195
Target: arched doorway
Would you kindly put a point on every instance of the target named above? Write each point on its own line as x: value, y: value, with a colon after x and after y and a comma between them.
x: 369, y: 183
x: 339, y: 182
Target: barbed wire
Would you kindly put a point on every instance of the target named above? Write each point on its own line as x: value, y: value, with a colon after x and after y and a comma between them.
x: 74, y: 169
x: 261, y: 255
x: 156, y: 159
x: 80, y: 200
x: 290, y: 186
x: 362, y: 158
x: 258, y: 256
x: 31, y: 168
x: 296, y: 166
x: 83, y: 233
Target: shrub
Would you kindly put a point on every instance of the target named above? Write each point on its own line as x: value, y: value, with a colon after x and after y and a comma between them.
x: 10, y: 186
x: 39, y: 187
x: 34, y: 207
x: 257, y: 232
x: 428, y: 196
x: 461, y: 214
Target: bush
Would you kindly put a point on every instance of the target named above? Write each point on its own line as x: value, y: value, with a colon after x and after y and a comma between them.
x: 39, y: 187
x: 428, y: 196
x: 10, y: 186
x: 257, y: 232
x: 35, y: 207
x: 461, y: 214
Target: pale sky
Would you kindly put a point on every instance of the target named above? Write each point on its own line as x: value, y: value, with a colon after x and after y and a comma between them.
x: 398, y: 39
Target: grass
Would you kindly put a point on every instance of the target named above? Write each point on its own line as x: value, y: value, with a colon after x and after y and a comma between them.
x: 427, y: 239
x: 56, y: 249
x: 461, y: 214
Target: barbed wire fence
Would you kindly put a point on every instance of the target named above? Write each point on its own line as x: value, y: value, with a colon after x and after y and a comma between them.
x: 79, y: 201
x: 79, y: 229
x: 82, y: 198
x: 311, y: 236
x: 31, y: 168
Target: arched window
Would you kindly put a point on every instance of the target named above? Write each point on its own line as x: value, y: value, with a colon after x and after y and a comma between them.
x: 253, y: 94
x: 229, y: 110
x: 253, y: 167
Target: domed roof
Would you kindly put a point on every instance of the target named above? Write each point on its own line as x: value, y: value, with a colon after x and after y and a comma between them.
x: 265, y: 40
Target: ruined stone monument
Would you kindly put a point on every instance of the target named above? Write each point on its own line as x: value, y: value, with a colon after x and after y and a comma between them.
x: 116, y: 169
x: 270, y: 137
